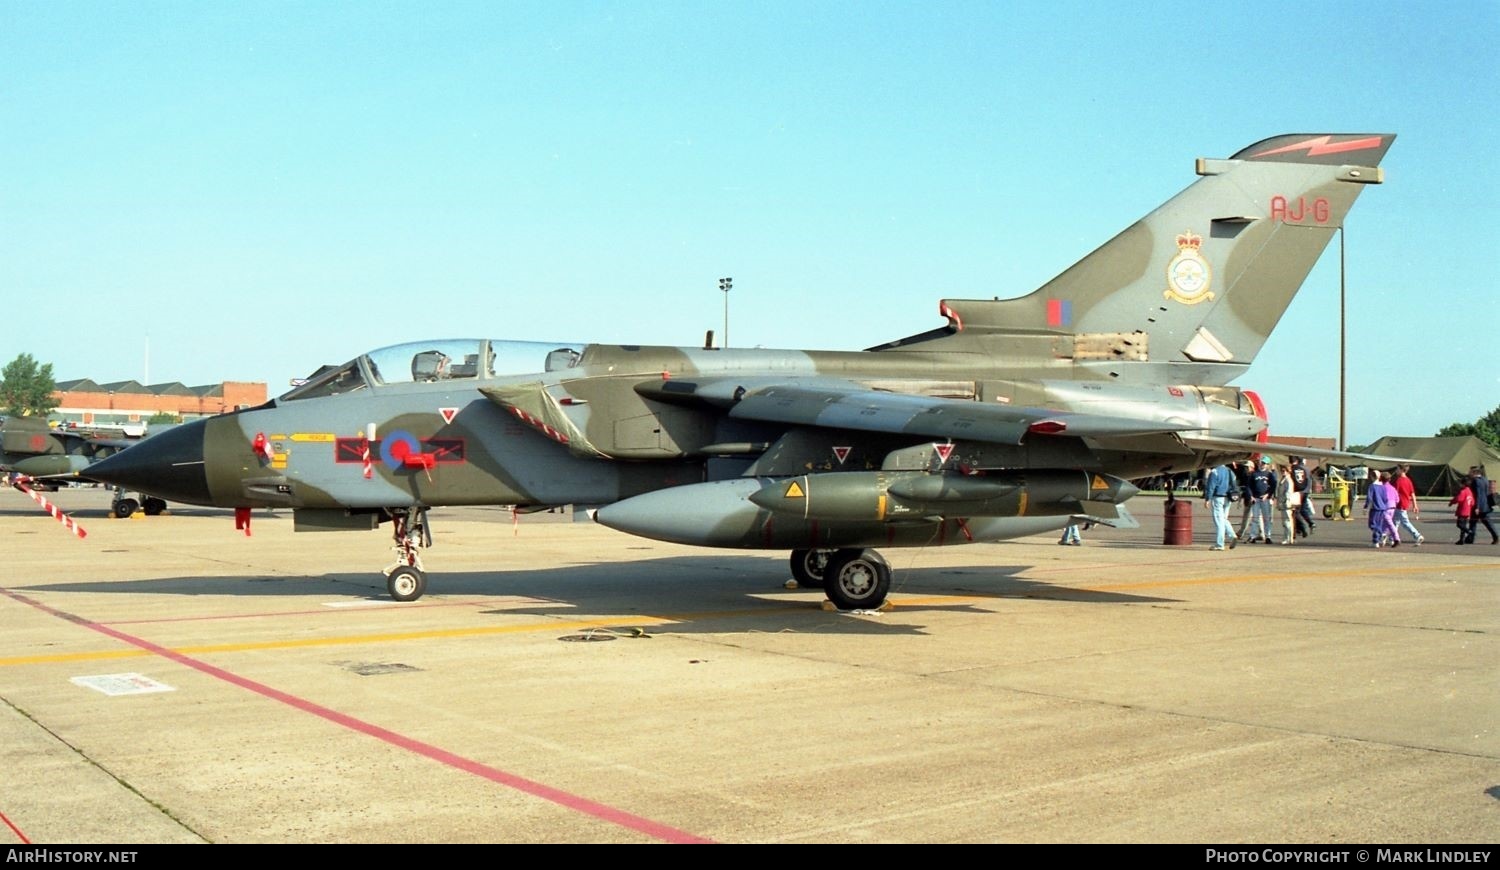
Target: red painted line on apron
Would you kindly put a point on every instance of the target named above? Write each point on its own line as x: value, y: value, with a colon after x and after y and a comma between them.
x: 442, y: 756
x: 11, y: 825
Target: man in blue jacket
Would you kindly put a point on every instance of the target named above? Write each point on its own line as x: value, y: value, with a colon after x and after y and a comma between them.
x: 1262, y: 486
x: 1217, y: 486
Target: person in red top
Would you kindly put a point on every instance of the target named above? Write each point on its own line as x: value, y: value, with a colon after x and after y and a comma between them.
x: 1464, y: 498
x: 1406, y: 502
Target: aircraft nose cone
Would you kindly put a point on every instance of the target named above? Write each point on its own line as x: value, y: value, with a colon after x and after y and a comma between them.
x: 168, y: 465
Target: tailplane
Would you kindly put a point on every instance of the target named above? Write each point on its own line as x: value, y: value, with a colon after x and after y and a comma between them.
x: 1190, y: 292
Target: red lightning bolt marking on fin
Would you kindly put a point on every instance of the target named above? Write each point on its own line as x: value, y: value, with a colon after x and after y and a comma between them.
x: 1321, y: 145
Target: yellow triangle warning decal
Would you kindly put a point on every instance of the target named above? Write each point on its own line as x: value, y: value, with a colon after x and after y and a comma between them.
x: 794, y: 491
x: 1098, y: 483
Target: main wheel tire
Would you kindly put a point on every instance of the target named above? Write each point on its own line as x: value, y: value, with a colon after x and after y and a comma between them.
x: 857, y: 579
x: 810, y: 566
x: 406, y: 583
x: 154, y: 506
x: 125, y: 508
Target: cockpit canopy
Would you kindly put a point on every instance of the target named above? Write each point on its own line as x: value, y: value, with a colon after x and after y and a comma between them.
x: 441, y: 360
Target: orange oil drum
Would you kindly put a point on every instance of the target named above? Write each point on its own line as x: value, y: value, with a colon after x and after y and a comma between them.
x: 1177, y: 531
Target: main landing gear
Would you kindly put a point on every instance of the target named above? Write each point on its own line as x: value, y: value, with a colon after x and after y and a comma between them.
x: 405, y: 579
x: 808, y: 567
x: 124, y: 507
x: 854, y: 579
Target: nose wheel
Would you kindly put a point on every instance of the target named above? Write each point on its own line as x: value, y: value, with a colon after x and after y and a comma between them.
x: 406, y: 583
x: 405, y: 580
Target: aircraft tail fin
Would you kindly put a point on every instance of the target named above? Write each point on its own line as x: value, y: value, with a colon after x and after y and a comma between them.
x: 1190, y: 292
x: 26, y: 435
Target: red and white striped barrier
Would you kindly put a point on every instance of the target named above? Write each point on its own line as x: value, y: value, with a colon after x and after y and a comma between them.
x: 364, y: 451
x: 49, y: 507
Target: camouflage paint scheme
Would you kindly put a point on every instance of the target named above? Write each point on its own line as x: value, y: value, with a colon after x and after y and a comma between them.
x: 1009, y: 420
x: 30, y: 448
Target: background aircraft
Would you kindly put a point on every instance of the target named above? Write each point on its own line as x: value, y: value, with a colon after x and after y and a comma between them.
x: 1006, y: 421
x: 29, y: 446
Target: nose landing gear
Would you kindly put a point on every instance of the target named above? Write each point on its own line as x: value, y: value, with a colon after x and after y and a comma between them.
x: 404, y: 579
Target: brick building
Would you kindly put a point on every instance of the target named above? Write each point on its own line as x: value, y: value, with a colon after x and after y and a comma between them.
x: 125, y: 403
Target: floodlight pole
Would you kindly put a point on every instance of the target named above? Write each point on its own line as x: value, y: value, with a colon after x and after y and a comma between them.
x: 725, y: 284
x: 1343, y: 442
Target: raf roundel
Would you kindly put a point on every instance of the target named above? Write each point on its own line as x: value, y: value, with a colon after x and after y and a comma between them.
x: 395, y: 447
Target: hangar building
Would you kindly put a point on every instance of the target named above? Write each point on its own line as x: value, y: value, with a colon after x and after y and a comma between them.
x: 130, y: 403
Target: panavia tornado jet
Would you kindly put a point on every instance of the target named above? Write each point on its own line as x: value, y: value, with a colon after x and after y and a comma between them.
x: 43, y: 457
x: 1010, y: 419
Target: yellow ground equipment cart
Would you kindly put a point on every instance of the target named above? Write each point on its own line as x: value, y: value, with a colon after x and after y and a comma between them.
x: 1338, y: 496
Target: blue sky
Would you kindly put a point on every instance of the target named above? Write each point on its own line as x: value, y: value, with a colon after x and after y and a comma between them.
x: 251, y: 190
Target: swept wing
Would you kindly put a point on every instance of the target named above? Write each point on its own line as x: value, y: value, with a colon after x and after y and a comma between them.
x: 840, y: 404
